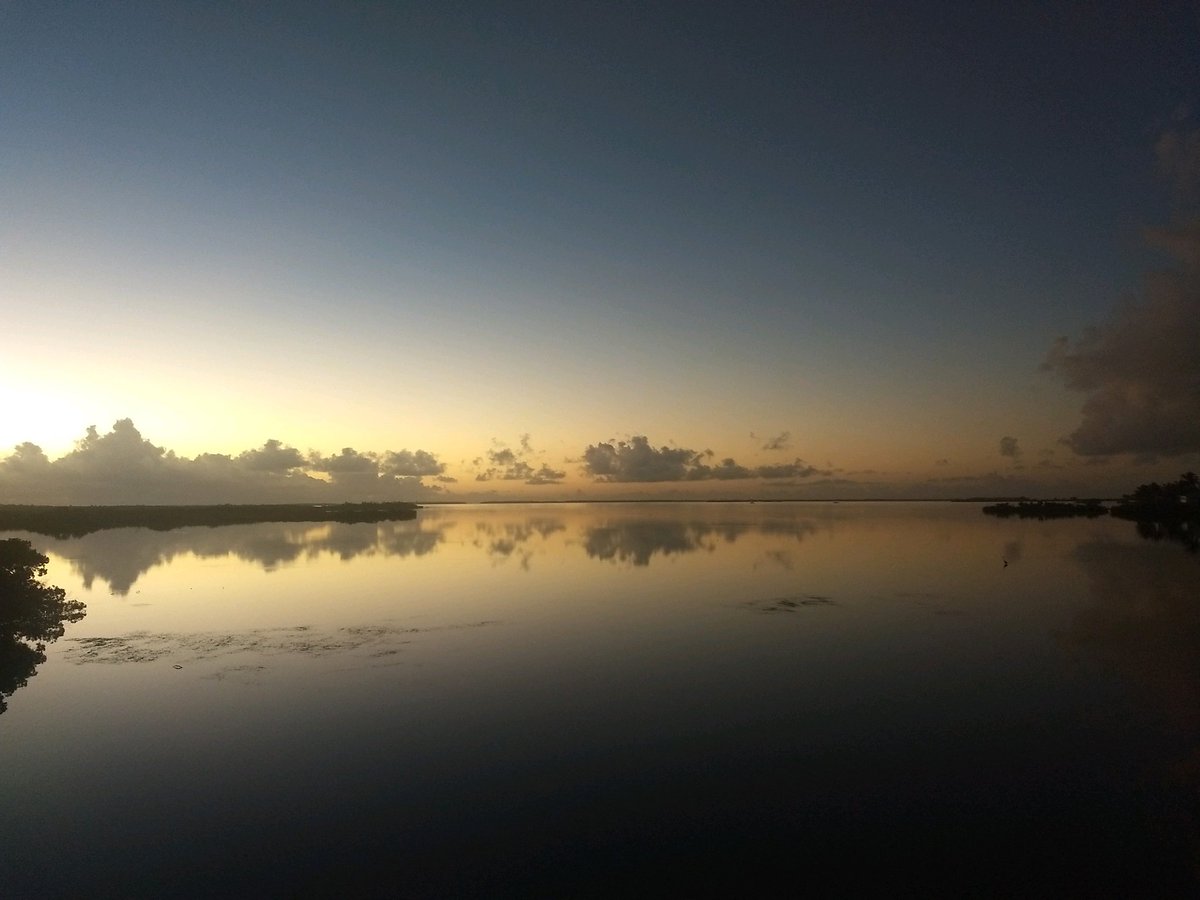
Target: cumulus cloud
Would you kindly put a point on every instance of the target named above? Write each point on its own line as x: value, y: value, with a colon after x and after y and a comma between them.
x: 506, y: 464
x: 272, y: 456
x: 636, y: 460
x: 781, y: 441
x: 123, y: 467
x: 411, y: 464
x: 546, y: 475
x: 1010, y: 448
x: 26, y: 459
x: 349, y: 461
x: 1140, y: 370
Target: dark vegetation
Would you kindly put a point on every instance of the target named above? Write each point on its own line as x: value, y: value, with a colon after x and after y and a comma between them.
x: 32, y: 614
x: 1048, y: 509
x: 75, y: 521
x: 1165, y: 511
x: 1168, y: 511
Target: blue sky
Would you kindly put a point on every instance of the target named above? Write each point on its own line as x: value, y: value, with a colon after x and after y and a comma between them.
x: 445, y: 226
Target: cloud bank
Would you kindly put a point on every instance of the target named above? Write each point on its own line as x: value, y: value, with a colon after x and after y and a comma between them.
x: 636, y: 460
x: 123, y: 467
x: 1140, y: 370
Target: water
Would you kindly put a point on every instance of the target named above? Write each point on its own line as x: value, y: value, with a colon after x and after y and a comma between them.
x: 580, y: 700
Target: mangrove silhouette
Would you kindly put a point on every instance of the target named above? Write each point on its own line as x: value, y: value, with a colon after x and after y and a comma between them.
x: 32, y: 614
x: 1047, y: 509
x: 76, y: 521
x: 1168, y: 511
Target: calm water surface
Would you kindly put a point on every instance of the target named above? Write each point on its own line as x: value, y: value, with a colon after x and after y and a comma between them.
x: 573, y: 700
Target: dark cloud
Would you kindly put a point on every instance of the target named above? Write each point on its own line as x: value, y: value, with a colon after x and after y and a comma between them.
x: 506, y: 464
x: 272, y: 456
x: 726, y: 470
x: 547, y: 475
x: 410, y: 464
x: 797, y: 469
x: 1140, y: 370
x: 636, y: 460
x: 346, y: 462
x: 1010, y: 448
x: 781, y: 441
x: 26, y: 459
x: 123, y: 467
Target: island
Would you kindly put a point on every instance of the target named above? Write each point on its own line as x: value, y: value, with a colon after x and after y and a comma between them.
x: 1170, y: 510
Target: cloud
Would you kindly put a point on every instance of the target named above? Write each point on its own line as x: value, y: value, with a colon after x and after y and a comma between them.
x: 349, y: 461
x: 26, y: 459
x: 781, y: 441
x: 506, y: 464
x: 797, y: 469
x: 547, y: 475
x: 272, y: 456
x: 1140, y: 370
x: 726, y: 470
x: 122, y: 467
x: 411, y: 464
x: 1010, y: 448
x: 636, y: 460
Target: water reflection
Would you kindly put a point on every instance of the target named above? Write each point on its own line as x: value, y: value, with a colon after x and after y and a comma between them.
x: 32, y: 615
x: 1178, y: 531
x: 637, y: 540
x: 503, y: 539
x: 120, y: 556
x: 375, y: 643
x: 1144, y: 626
x: 588, y: 697
x: 1145, y: 623
x: 630, y: 535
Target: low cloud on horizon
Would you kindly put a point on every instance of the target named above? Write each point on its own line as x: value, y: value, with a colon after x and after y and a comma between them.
x: 636, y: 460
x: 123, y: 467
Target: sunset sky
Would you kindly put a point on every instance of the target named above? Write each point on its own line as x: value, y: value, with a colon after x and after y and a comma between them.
x: 560, y: 250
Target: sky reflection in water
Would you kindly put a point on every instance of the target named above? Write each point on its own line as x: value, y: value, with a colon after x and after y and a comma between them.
x: 498, y: 699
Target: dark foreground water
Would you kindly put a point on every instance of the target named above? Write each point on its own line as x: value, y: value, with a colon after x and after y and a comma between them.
x: 595, y: 700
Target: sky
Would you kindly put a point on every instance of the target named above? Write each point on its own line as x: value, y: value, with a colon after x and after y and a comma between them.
x: 572, y: 250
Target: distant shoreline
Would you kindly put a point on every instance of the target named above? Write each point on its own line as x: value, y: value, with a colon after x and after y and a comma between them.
x: 76, y: 521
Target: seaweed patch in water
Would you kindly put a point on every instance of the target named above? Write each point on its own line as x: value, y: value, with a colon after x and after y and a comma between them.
x: 790, y: 603
x: 142, y: 646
